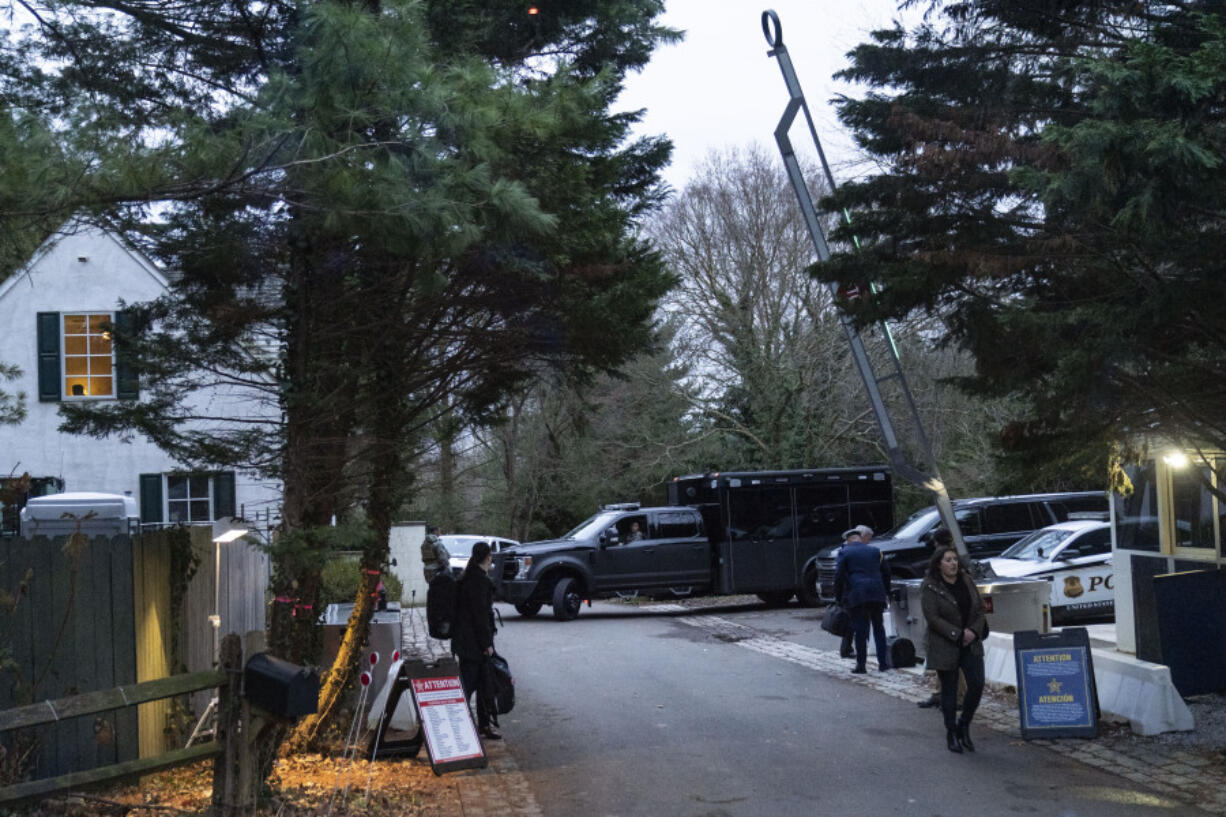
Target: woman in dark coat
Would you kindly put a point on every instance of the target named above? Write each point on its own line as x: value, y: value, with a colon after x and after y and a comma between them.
x: 472, y: 640
x: 956, y: 622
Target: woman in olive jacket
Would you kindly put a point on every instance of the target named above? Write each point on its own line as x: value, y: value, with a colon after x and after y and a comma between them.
x: 472, y: 640
x: 956, y: 627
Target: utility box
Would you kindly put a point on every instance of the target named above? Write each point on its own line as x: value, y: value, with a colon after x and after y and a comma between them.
x: 1012, y: 605
x: 385, y: 639
x: 280, y: 688
x: 93, y: 514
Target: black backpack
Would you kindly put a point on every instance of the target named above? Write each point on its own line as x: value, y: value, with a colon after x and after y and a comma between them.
x: 441, y: 598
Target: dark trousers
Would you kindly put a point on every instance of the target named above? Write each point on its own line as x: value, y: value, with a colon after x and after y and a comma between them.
x: 971, y: 667
x: 472, y: 676
x: 864, y: 616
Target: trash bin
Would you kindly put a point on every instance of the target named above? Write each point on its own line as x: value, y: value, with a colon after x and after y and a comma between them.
x: 1012, y: 605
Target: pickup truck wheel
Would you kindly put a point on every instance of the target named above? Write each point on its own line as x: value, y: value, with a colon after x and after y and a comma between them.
x: 528, y: 609
x: 776, y: 598
x: 566, y: 599
x: 808, y: 592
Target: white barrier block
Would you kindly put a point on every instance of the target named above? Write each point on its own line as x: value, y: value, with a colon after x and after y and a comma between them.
x: 1128, y: 688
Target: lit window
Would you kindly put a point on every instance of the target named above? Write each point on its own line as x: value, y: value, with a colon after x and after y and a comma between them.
x: 189, y: 499
x: 88, y: 363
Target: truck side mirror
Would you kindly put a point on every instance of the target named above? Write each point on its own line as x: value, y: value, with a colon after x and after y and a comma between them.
x: 609, y: 537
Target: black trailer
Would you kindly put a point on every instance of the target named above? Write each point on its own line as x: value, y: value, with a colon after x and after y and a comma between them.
x: 767, y: 527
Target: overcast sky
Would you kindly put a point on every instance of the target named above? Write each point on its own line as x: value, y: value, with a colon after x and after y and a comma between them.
x: 718, y: 88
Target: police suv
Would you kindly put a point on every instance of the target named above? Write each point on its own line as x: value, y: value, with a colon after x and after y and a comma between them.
x: 1075, y: 556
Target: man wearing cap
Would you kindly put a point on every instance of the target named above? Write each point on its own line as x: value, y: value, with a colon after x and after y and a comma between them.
x: 846, y: 650
x: 862, y: 587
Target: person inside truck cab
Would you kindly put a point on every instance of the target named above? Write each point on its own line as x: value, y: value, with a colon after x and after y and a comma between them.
x: 634, y: 534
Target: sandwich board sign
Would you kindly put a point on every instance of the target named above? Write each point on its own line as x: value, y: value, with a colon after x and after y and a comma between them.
x: 1056, y: 693
x: 447, y: 724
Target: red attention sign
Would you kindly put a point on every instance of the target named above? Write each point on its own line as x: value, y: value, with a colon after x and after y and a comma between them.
x: 451, y: 735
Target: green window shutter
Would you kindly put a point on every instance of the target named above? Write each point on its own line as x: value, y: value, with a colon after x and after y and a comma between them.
x: 49, y: 387
x: 224, y: 503
x: 150, y: 498
x: 127, y: 385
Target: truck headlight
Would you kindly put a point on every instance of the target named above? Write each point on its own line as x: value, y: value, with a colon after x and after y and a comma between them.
x: 525, y: 564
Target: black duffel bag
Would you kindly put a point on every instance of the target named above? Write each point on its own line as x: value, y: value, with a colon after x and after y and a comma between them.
x: 499, y: 685
x: 836, y: 620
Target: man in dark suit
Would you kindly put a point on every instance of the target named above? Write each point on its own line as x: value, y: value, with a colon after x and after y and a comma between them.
x: 862, y: 587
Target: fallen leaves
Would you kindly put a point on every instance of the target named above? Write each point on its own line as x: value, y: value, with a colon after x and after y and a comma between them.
x: 300, y: 786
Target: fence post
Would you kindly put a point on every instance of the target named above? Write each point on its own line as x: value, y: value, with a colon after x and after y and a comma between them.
x: 229, y: 713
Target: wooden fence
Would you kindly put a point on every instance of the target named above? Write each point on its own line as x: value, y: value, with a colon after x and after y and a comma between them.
x: 234, y: 774
x: 96, y: 614
x: 71, y: 630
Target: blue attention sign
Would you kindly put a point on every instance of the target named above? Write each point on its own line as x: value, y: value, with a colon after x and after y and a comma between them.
x: 1054, y: 688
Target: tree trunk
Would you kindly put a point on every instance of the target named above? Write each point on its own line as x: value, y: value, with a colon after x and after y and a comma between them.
x: 383, y: 453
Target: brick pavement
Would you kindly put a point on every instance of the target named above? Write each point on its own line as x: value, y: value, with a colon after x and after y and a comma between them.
x: 500, y: 788
x: 1173, y: 772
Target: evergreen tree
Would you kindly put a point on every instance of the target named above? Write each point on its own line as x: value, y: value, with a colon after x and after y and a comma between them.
x: 373, y: 220
x: 1053, y: 189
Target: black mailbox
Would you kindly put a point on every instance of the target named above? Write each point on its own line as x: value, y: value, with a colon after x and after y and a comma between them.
x: 280, y: 688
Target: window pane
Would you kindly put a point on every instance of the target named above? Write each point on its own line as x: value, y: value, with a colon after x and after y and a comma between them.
x: 1193, y: 506
x: 1094, y: 542
x: 200, y: 510
x: 99, y: 364
x: 821, y: 510
x: 74, y: 324
x: 76, y: 344
x: 677, y: 526
x: 98, y: 323
x: 199, y: 487
x: 176, y: 487
x: 99, y: 387
x: 76, y: 386
x: 968, y: 521
x: 100, y: 344
x: 176, y: 511
x: 1136, y: 515
x: 1009, y: 517
x: 76, y: 365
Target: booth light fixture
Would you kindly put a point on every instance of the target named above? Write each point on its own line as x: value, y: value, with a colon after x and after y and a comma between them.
x: 1175, y: 459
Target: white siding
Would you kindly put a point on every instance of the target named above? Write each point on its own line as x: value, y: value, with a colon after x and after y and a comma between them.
x: 57, y: 280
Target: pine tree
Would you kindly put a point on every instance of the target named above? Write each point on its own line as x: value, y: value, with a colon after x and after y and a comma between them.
x: 1053, y: 189
x: 374, y: 215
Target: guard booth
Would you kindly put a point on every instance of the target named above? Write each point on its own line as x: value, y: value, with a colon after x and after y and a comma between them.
x: 1168, y: 516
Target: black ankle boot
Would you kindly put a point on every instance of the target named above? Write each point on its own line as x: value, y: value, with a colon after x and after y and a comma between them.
x: 951, y: 740
x: 964, y: 737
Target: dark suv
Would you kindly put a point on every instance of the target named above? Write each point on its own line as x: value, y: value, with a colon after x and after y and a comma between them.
x: 989, y: 526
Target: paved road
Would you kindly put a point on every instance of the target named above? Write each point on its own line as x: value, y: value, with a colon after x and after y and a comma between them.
x: 744, y: 711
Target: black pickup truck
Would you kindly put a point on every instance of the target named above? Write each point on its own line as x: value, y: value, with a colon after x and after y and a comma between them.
x: 740, y: 532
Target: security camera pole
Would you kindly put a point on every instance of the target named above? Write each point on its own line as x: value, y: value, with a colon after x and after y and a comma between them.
x: 929, y: 479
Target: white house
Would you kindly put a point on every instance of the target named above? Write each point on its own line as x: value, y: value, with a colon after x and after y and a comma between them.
x: 54, y: 314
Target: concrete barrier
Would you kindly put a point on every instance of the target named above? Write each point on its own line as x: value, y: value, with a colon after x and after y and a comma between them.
x: 1128, y: 688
